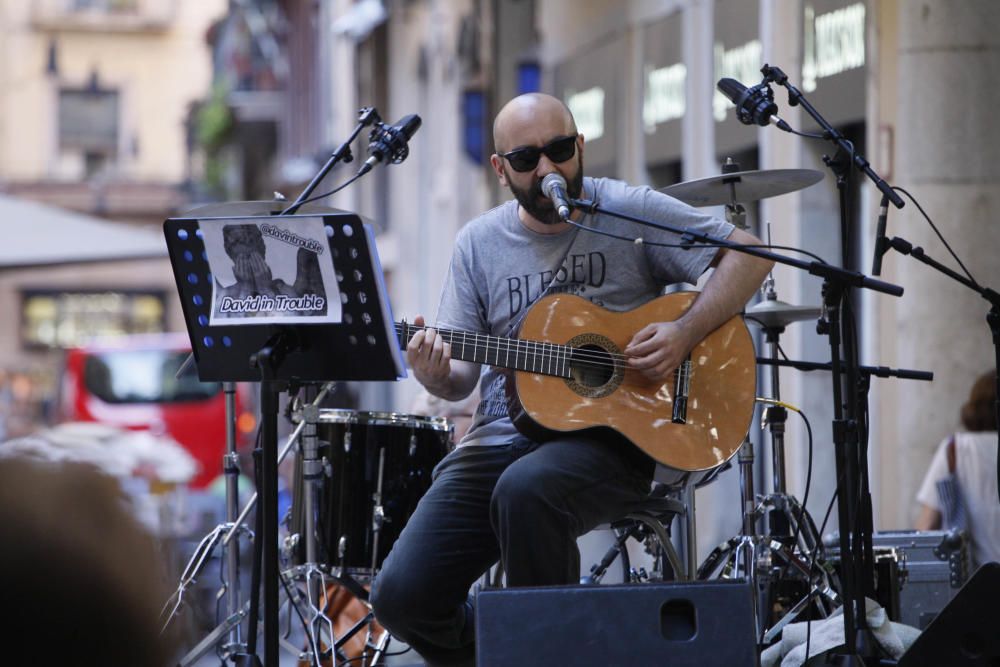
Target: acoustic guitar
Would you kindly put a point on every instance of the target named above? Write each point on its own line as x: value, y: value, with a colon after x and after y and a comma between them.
x: 566, y: 373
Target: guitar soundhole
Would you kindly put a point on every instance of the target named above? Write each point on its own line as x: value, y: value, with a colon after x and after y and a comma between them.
x: 593, y: 369
x: 591, y: 366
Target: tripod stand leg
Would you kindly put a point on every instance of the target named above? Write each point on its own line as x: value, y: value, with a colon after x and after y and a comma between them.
x: 380, y: 646
x: 213, y: 638
x: 189, y: 576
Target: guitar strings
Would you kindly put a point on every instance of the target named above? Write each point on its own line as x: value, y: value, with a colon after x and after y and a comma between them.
x: 528, y: 347
x: 587, y: 358
x: 596, y: 358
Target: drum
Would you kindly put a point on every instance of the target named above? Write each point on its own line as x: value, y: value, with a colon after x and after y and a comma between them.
x: 377, y: 466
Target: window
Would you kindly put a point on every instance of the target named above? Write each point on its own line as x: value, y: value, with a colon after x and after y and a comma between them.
x: 105, y: 5
x: 59, y: 319
x: 88, y: 124
x: 145, y: 376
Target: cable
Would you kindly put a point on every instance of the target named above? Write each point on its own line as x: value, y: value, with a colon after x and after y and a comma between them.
x: 808, y: 135
x: 934, y: 227
x: 332, y: 192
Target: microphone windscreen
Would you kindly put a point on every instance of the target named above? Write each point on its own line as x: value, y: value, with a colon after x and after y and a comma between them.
x: 552, y: 180
x: 732, y: 89
x: 409, y: 125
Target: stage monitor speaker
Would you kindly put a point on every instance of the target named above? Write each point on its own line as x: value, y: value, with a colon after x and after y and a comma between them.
x: 699, y: 624
x: 966, y: 632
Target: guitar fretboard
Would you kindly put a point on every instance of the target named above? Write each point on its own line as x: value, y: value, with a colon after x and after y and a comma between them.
x: 514, y: 353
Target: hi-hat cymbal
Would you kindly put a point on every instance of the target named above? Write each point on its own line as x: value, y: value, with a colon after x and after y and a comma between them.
x: 774, y: 314
x: 742, y: 186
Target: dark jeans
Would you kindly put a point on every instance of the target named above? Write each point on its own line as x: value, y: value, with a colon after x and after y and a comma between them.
x: 523, y: 504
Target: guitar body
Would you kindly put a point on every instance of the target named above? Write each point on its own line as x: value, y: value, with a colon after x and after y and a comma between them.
x: 604, y: 396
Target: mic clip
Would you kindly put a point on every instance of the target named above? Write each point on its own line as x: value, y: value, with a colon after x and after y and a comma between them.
x: 369, y: 116
x: 747, y: 111
x: 585, y: 205
x: 388, y: 137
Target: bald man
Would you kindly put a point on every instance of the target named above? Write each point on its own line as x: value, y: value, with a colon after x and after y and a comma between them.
x: 499, y: 495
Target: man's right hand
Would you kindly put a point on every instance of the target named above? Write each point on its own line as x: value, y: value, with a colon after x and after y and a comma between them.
x: 429, y: 357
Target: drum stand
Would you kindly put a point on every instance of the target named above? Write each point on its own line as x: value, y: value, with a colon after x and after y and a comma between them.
x: 766, y: 560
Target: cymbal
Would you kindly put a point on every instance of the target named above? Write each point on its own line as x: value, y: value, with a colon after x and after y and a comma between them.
x: 774, y: 314
x: 742, y: 186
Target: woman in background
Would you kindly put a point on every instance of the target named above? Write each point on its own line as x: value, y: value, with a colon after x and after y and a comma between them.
x: 971, y: 456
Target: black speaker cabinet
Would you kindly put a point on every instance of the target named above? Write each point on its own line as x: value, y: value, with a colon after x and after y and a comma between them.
x: 967, y: 631
x: 698, y: 624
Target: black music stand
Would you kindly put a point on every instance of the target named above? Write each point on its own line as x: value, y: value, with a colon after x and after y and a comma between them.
x: 362, y: 346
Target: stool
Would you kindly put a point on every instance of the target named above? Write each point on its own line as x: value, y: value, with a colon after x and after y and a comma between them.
x: 649, y: 521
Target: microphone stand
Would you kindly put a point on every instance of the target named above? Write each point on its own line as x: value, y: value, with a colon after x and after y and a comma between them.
x: 267, y: 361
x: 366, y: 116
x: 854, y: 499
x: 836, y: 282
x: 904, y: 247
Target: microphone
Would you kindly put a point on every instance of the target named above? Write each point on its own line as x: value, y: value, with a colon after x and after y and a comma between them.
x: 554, y: 187
x: 390, y: 142
x: 881, y: 243
x: 754, y: 106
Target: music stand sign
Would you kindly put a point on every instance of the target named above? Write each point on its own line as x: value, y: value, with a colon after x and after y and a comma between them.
x: 271, y: 272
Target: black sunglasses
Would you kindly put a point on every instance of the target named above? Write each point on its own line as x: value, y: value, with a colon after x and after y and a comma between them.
x: 557, y: 150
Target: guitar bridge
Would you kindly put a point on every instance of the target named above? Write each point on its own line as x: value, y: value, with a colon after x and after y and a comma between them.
x: 682, y: 388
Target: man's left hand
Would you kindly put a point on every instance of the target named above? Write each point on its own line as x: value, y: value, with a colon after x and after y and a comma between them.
x: 658, y: 349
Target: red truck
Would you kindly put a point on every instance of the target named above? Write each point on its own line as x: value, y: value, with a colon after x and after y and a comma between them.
x: 132, y: 382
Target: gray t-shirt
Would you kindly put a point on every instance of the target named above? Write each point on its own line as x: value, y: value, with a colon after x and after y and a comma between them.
x: 499, y: 268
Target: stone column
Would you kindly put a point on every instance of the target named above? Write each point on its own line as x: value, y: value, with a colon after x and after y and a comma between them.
x: 946, y: 139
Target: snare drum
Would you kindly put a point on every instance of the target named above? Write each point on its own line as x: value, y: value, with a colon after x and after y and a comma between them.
x: 377, y: 467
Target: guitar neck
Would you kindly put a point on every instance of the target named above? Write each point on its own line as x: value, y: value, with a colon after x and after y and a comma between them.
x: 512, y: 353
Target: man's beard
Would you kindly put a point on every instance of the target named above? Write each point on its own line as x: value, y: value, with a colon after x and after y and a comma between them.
x: 540, y: 207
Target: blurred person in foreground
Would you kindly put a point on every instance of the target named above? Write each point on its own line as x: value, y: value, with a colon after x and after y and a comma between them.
x: 82, y: 581
x: 968, y: 458
x: 499, y: 495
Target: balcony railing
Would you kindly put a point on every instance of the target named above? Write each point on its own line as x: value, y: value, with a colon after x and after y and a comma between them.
x: 104, y: 15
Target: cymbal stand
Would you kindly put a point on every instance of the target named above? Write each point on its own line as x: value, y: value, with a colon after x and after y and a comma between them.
x: 751, y: 555
x: 792, y: 530
x: 741, y: 554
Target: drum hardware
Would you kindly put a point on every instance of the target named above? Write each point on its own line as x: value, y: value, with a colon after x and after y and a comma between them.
x: 378, y: 512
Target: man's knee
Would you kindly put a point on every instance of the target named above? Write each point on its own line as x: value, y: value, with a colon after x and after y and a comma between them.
x: 392, y: 601
x: 521, y: 490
